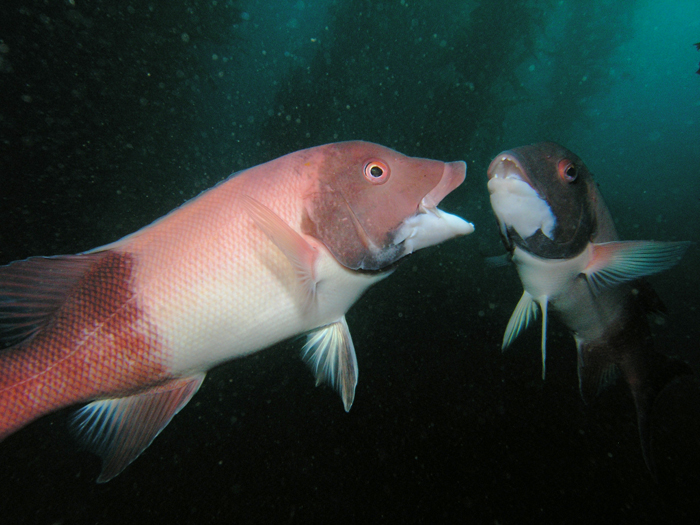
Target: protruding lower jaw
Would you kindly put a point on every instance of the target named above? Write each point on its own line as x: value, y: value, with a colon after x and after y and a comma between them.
x: 428, y: 227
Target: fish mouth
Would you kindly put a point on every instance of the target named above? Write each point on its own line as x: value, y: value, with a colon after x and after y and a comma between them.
x: 430, y: 225
x: 507, y: 167
x: 516, y: 203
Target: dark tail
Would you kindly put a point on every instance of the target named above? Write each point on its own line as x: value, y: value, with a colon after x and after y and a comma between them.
x: 662, y: 371
x: 630, y: 351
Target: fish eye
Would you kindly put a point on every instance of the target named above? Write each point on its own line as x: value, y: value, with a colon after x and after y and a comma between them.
x: 567, y: 170
x: 376, y: 171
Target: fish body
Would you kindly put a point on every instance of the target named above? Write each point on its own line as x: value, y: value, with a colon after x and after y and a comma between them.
x: 281, y: 249
x: 563, y: 242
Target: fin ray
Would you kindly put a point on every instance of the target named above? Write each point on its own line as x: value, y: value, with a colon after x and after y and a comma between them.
x: 543, y: 301
x: 331, y: 354
x: 525, y: 311
x: 300, y: 253
x: 617, y: 262
x: 32, y: 290
x: 119, y: 430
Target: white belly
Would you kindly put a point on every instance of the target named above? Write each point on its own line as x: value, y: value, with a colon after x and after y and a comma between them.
x: 247, y: 305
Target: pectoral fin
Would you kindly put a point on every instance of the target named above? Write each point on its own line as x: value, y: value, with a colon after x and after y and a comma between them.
x: 499, y: 261
x: 119, y: 430
x: 617, y: 262
x: 330, y: 353
x: 300, y: 253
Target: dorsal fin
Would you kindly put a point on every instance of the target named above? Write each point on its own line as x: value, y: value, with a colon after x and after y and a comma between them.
x: 33, y: 289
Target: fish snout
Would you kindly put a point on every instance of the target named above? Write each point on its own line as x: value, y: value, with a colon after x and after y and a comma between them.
x: 452, y: 176
x: 430, y: 225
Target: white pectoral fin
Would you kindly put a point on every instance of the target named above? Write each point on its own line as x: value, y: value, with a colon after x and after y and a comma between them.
x: 526, y: 311
x: 613, y: 263
x: 300, y: 253
x: 119, y: 430
x: 330, y: 353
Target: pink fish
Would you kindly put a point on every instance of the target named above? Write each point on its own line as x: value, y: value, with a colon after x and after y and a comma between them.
x: 281, y: 249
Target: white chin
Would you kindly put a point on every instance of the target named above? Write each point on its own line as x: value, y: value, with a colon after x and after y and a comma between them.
x: 430, y: 227
x: 517, y: 205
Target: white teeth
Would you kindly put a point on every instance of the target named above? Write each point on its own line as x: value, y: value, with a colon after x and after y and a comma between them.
x: 507, y: 169
x: 507, y: 175
x: 427, y: 202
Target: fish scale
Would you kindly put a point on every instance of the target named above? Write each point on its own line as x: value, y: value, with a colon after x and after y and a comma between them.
x: 278, y: 250
x: 97, y: 343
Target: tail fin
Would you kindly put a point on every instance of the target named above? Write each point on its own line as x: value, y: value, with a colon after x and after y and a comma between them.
x: 663, y: 370
x: 646, y: 371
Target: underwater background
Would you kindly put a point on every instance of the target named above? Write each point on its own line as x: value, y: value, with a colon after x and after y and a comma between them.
x: 114, y: 112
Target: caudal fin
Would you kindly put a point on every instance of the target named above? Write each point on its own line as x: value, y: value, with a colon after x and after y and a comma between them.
x: 646, y: 371
x: 663, y: 370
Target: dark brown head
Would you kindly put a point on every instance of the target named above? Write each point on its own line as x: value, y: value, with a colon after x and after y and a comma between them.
x: 544, y: 199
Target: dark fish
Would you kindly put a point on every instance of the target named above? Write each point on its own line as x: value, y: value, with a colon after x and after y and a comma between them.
x: 563, y: 242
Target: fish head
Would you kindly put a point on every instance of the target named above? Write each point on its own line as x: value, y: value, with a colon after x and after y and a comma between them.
x: 543, y: 197
x: 370, y: 205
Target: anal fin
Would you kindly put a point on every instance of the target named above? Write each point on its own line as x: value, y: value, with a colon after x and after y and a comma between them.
x: 119, y: 430
x: 596, y: 371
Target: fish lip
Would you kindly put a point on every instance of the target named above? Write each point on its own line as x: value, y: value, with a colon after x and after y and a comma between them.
x: 452, y: 176
x: 507, y: 166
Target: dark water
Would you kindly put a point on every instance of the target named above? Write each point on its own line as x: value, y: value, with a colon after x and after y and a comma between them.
x: 113, y: 113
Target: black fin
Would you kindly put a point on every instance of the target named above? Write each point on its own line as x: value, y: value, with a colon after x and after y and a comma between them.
x: 646, y: 371
x: 663, y: 370
x: 596, y: 371
x: 647, y: 298
x: 498, y: 261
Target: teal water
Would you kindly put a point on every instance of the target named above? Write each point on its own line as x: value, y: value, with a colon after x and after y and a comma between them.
x: 113, y: 113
